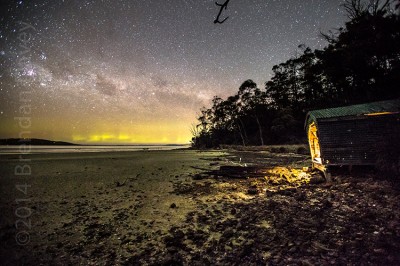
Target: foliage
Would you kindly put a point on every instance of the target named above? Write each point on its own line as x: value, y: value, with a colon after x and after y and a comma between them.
x: 361, y: 63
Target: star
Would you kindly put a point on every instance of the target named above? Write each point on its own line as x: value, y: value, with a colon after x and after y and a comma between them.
x: 121, y: 67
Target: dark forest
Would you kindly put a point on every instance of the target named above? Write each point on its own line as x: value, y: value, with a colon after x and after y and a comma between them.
x: 360, y: 64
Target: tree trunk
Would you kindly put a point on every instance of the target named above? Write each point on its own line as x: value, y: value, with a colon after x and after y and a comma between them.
x: 260, y: 130
x: 241, y: 135
x: 244, y: 129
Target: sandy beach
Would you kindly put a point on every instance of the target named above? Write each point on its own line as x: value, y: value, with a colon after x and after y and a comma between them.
x: 173, y: 208
x: 90, y: 202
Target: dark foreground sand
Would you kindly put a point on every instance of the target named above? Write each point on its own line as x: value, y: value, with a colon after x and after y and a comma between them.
x: 162, y: 208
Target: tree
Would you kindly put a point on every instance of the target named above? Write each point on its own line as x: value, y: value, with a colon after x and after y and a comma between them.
x: 361, y: 63
x: 251, y: 99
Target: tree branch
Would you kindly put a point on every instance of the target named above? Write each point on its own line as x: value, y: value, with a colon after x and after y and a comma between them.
x: 222, y: 7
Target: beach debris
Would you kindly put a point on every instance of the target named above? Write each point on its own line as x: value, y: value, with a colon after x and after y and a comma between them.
x: 288, y: 174
x: 238, y: 171
x: 120, y: 184
x: 175, y: 238
x: 253, y: 191
x: 173, y: 206
x: 273, y: 176
x: 97, y: 231
x: 328, y: 225
x: 199, y: 176
x: 317, y: 179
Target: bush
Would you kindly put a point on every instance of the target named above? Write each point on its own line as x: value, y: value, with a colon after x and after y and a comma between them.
x: 283, y: 150
x: 279, y: 150
x: 274, y: 150
x: 302, y: 151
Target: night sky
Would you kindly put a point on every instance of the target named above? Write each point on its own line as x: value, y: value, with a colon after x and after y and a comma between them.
x: 130, y: 71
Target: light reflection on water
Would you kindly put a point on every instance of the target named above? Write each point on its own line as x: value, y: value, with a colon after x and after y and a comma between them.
x: 17, y: 149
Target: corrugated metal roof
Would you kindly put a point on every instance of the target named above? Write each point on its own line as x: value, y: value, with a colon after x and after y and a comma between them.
x: 355, y: 110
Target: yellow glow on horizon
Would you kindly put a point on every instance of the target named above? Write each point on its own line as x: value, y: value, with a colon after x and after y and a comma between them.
x: 149, y: 133
x: 100, y: 131
x: 124, y: 137
x: 109, y: 138
x: 78, y: 138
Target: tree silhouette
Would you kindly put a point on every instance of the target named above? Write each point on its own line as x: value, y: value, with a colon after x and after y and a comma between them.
x: 361, y: 63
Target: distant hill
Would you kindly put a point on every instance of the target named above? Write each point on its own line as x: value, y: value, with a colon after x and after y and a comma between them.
x: 33, y: 142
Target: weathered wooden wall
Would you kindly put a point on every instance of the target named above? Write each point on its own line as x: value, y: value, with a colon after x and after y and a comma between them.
x: 355, y: 140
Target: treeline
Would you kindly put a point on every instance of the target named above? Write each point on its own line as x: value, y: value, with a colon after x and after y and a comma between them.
x: 361, y: 63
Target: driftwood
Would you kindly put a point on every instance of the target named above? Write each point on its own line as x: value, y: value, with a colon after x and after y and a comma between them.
x: 239, y: 171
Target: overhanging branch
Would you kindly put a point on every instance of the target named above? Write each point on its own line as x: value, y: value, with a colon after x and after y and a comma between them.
x: 222, y: 7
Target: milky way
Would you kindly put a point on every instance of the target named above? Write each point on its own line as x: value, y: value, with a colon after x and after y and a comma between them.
x: 139, y: 71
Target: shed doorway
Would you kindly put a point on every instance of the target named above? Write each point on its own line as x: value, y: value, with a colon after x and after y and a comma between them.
x: 314, y: 143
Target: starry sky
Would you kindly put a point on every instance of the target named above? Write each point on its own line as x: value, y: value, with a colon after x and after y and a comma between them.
x: 136, y: 71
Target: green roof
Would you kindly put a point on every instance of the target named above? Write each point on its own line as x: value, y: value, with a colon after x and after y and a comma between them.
x: 355, y: 110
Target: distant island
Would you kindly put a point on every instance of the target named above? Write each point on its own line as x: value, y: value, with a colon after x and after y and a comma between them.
x: 33, y: 142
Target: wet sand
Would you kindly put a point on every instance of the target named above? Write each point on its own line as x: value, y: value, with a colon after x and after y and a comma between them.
x: 171, y: 208
x: 86, y: 206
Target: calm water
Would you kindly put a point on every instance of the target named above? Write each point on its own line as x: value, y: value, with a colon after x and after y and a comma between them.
x: 16, y: 149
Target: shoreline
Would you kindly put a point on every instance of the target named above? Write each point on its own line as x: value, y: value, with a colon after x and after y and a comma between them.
x: 48, y: 149
x: 86, y: 154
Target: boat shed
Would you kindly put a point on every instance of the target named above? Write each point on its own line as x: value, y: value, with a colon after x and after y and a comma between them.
x: 351, y: 135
